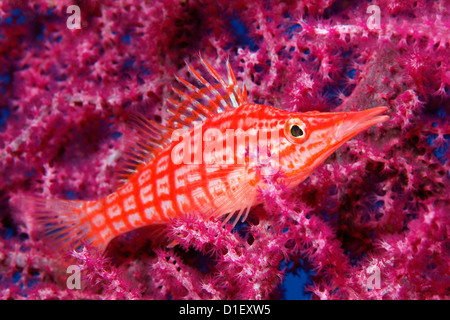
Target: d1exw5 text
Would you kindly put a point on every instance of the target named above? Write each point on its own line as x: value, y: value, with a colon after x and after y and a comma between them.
x: 246, y: 309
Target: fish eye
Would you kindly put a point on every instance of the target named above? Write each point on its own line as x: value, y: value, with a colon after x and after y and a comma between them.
x: 296, y: 131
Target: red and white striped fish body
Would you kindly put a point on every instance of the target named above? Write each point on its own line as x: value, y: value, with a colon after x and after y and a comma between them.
x: 210, y: 184
x: 209, y: 160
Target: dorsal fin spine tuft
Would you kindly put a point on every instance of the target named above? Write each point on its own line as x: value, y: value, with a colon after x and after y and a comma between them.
x: 200, y: 104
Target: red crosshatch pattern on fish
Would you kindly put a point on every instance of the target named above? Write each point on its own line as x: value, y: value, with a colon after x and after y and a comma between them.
x: 206, y: 160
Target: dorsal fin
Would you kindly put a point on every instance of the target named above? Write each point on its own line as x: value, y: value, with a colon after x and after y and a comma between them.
x: 147, y: 139
x: 207, y: 100
x: 196, y: 106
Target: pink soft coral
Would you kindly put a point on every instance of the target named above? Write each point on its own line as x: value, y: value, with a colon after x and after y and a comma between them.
x: 379, y: 203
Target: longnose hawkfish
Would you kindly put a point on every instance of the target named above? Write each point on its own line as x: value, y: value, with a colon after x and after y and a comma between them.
x: 200, y: 163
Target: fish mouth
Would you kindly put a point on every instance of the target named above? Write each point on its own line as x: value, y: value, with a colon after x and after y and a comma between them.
x: 355, y: 122
x: 349, y: 124
x: 329, y: 131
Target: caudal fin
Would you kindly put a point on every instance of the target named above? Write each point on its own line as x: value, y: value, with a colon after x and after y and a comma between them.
x: 60, y: 224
